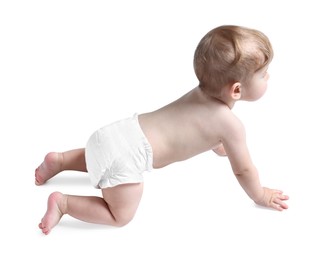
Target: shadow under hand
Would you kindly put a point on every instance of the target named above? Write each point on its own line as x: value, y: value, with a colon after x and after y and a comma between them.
x: 264, y: 208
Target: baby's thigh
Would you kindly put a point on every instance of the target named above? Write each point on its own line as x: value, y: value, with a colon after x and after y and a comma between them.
x: 123, y: 200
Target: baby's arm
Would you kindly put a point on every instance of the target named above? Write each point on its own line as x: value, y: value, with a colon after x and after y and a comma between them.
x: 234, y: 142
x: 262, y: 196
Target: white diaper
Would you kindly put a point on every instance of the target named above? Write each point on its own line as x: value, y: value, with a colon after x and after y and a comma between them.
x: 118, y: 153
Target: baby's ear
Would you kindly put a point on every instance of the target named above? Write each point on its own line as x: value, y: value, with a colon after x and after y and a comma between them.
x: 236, y: 90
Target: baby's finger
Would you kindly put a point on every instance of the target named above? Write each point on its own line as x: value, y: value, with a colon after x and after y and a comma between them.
x: 281, y: 196
x: 280, y: 204
x: 276, y: 206
x: 278, y: 191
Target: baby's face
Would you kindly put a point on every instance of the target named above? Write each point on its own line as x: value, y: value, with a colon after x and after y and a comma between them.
x: 257, y: 86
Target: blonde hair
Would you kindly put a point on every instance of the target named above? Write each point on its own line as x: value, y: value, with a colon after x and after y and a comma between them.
x: 229, y: 54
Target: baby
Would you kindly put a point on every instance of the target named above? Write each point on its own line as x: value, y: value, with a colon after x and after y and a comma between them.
x: 231, y: 64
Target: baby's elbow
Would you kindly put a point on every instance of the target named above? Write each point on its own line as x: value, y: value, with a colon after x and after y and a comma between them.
x: 244, y: 170
x: 240, y: 172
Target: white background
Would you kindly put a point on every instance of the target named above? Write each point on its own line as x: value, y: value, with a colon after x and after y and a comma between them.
x: 69, y: 67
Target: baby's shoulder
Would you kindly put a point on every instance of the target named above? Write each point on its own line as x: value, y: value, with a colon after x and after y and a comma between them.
x: 226, y: 122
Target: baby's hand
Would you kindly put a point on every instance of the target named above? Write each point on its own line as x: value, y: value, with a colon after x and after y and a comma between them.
x: 273, y: 199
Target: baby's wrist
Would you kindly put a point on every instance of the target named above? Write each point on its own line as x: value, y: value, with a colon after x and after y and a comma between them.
x: 259, y: 198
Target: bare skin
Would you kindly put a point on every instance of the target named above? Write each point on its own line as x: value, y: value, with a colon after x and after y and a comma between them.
x: 49, y: 168
x: 116, y: 208
x: 203, y: 123
x: 55, y: 207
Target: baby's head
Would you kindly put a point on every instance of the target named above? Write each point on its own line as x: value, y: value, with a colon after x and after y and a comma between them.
x: 229, y: 54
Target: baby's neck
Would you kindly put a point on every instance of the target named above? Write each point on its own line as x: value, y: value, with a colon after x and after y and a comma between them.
x: 223, y: 99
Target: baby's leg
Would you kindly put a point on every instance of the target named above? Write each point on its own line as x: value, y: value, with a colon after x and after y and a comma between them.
x: 117, y: 208
x: 123, y: 201
x: 56, y: 162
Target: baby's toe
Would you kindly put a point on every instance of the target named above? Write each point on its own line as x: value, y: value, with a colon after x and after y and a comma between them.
x: 38, y: 180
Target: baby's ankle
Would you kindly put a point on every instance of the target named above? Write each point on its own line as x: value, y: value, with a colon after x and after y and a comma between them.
x: 63, y: 204
x: 60, y: 200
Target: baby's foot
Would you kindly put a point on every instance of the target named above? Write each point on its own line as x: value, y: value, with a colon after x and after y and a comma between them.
x: 55, y: 210
x: 48, y: 168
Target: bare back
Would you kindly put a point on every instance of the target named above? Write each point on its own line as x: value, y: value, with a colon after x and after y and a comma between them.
x: 184, y: 128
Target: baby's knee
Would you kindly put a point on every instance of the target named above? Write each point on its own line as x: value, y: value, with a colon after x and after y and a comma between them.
x: 122, y: 221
